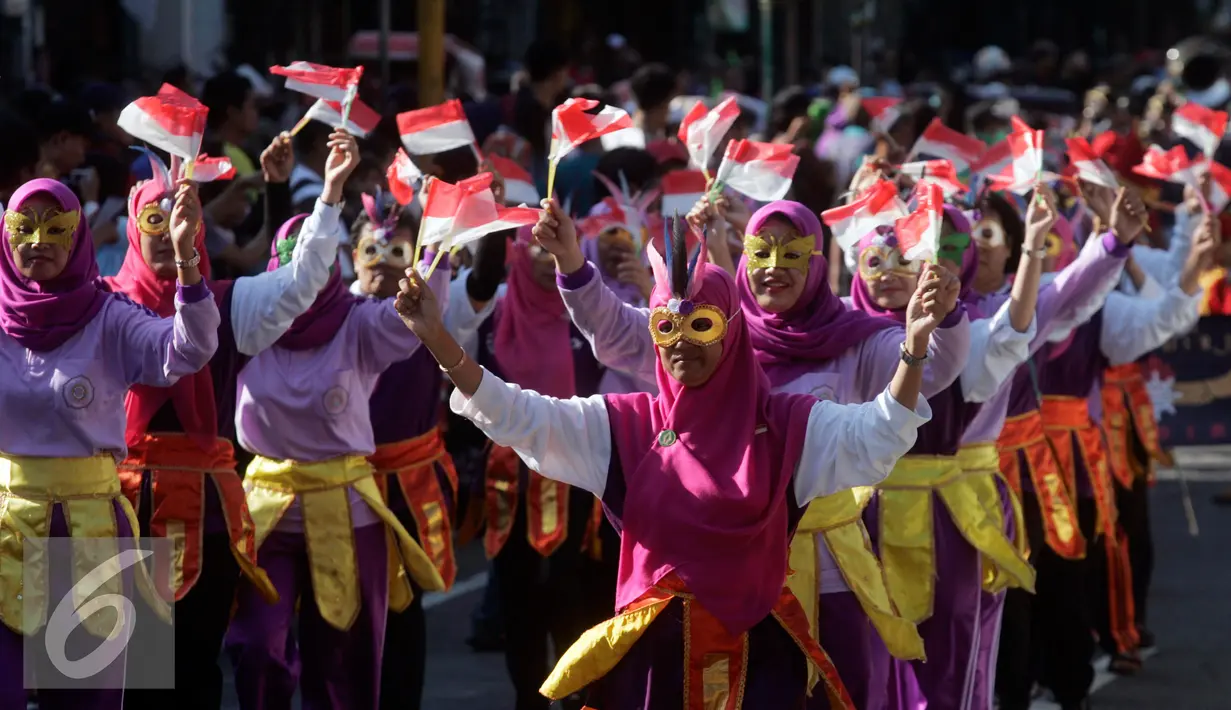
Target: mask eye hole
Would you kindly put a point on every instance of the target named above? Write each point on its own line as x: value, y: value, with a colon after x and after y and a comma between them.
x: 666, y: 327
x: 370, y: 250
x: 761, y: 254
x: 793, y: 255
x: 702, y: 325
x: 398, y: 252
x: 874, y: 262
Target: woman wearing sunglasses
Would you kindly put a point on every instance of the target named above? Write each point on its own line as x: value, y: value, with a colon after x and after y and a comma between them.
x: 704, y: 481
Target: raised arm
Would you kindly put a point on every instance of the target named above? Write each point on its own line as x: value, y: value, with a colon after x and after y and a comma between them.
x: 947, y: 352
x: 618, y: 333
x: 997, y: 347
x: 851, y: 445
x: 263, y: 307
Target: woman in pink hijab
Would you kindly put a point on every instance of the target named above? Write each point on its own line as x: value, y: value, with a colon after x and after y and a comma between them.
x: 705, y: 482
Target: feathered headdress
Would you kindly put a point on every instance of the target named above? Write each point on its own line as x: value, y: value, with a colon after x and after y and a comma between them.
x: 676, y: 272
x: 165, y: 178
x: 633, y: 207
x: 383, y: 212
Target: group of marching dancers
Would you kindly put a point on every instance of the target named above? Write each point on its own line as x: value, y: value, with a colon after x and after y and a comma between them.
x: 746, y: 492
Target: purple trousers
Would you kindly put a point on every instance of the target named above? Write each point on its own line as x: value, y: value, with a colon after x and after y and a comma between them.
x: 951, y: 635
x: 335, y: 669
x: 857, y: 651
x: 991, y: 610
x: 13, y: 694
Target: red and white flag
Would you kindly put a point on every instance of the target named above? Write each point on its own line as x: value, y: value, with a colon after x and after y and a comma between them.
x: 363, y: 119
x: 940, y: 172
x: 435, y: 129
x: 682, y: 189
x: 518, y: 184
x: 1086, y: 157
x: 883, y: 110
x: 611, y: 214
x: 456, y: 215
x: 876, y: 206
x: 940, y: 141
x: 403, y: 176
x: 1204, y: 127
x: 323, y: 82
x: 1220, y: 187
x: 207, y: 169
x: 994, y: 160
x: 572, y: 124
x: 1025, y: 169
x: 919, y: 232
x: 762, y: 171
x: 701, y: 131
x: 1172, y: 166
x: 170, y: 120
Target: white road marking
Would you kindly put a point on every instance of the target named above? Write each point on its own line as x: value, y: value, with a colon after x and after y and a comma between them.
x: 466, y: 586
x: 1102, y: 678
x: 1194, y: 476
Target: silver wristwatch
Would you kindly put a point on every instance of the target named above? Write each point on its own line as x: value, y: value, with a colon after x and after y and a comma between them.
x: 911, y: 360
x: 191, y: 263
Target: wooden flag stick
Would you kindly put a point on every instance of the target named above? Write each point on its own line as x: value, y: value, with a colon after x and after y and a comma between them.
x: 302, y: 123
x: 441, y: 251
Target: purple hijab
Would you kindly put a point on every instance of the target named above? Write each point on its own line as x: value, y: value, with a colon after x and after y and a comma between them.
x: 42, y: 315
x: 861, y: 297
x: 322, y: 321
x: 818, y: 327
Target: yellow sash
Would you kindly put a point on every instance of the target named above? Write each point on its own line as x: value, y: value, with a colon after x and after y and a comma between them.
x: 837, y: 519
x: 907, y: 542
x: 322, y: 489
x: 88, y: 490
x: 981, y: 463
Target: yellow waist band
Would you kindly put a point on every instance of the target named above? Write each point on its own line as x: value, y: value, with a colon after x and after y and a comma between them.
x: 837, y: 521
x: 322, y: 486
x: 907, y: 542
x: 89, y: 490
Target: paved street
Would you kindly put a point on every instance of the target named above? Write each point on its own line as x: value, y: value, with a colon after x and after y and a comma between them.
x: 1192, y: 587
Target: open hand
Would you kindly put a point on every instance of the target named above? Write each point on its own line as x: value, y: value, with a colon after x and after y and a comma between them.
x: 1206, y: 241
x: 557, y: 233
x: 933, y: 300
x: 1040, y: 218
x: 1192, y: 199
x: 185, y: 220
x: 703, y: 215
x: 418, y: 307
x: 278, y: 159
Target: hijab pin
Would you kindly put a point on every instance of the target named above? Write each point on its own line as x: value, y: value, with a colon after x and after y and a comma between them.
x: 666, y: 438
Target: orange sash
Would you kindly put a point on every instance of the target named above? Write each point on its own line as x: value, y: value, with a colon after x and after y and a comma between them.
x: 1067, y: 422
x: 1126, y: 403
x: 546, y: 505
x: 179, y: 469
x: 413, y: 462
x: 1024, y: 433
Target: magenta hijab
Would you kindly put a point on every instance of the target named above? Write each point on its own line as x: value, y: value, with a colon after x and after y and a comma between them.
x: 861, y: 297
x: 533, y: 344
x: 324, y: 318
x: 711, y: 505
x: 42, y: 315
x: 818, y: 327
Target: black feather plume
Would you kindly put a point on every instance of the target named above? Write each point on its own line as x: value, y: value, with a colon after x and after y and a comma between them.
x: 679, y: 267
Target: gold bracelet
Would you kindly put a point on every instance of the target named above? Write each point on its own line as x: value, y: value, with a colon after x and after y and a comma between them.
x: 450, y: 370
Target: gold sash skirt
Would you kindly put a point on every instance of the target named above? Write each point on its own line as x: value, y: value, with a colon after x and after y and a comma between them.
x: 88, y: 491
x: 322, y: 488
x: 966, y: 484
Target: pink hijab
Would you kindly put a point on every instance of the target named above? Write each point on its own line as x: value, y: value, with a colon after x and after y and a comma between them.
x: 712, y: 506
x: 534, y: 346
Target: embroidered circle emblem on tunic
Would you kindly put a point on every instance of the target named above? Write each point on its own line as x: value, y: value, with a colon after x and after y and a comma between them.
x: 336, y: 399
x: 666, y: 437
x: 78, y: 392
x: 824, y: 393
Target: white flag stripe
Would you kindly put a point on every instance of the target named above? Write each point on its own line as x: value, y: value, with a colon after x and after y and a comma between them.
x: 518, y: 191
x: 754, y: 180
x: 437, y: 139
x: 323, y: 112
x: 328, y: 92
x: 681, y: 204
x: 140, y: 125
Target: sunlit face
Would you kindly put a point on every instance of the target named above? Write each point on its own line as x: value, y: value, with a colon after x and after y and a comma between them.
x: 890, y: 278
x: 689, y: 338
x: 543, y: 267
x: 154, y: 225
x: 691, y: 365
x: 380, y: 263
x: 41, y: 236
x: 993, y: 245
x: 778, y: 256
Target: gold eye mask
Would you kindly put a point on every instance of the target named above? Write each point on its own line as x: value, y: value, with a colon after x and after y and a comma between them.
x: 879, y: 260
x: 1054, y: 244
x: 153, y: 220
x: 703, y: 325
x: 54, y: 226
x: 763, y: 254
x: 373, y: 251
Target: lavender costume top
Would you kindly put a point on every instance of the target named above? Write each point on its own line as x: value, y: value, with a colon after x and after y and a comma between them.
x: 69, y: 402
x: 312, y: 405
x: 620, y: 337
x: 1061, y: 304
